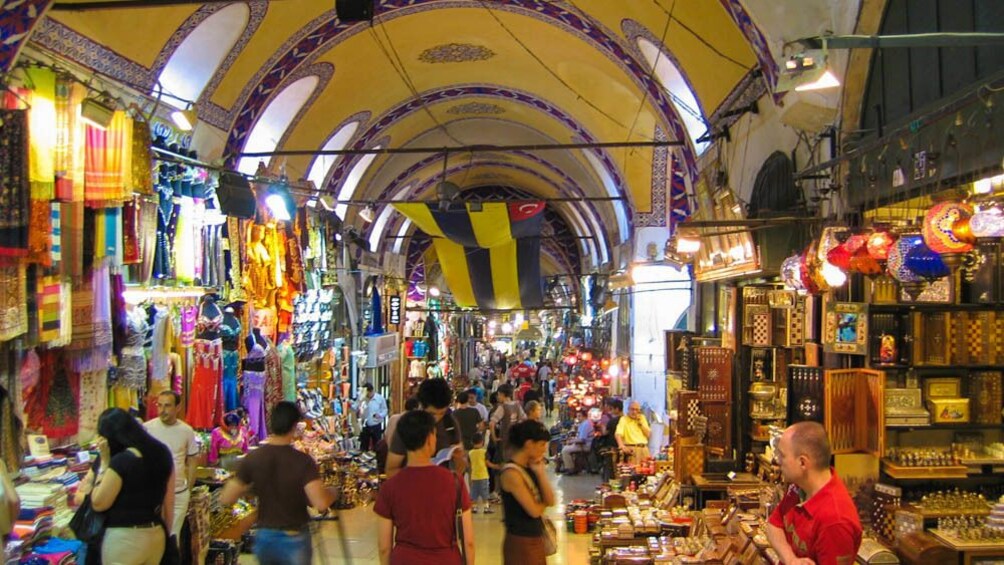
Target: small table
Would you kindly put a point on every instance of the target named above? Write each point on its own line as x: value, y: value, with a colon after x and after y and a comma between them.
x: 970, y: 550
x: 720, y: 483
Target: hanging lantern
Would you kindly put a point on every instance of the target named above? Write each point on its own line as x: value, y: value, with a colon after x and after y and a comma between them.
x: 856, y: 242
x: 830, y: 238
x: 839, y: 257
x: 910, y: 281
x: 791, y: 272
x: 812, y: 280
x: 879, y: 244
x: 833, y: 276
x: 923, y: 261
x: 988, y: 222
x: 862, y: 262
x: 939, y: 230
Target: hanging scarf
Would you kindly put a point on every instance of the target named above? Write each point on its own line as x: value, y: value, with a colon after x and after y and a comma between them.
x: 69, y: 149
x: 56, y: 235
x: 49, y: 308
x: 42, y: 132
x: 107, y: 157
x: 130, y: 231
x: 142, y: 158
x: 54, y: 404
x: 14, y: 191
x: 71, y: 222
x: 13, y: 302
x: 91, y: 346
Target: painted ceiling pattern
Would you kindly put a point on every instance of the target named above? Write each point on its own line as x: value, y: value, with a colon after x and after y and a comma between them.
x: 495, y: 67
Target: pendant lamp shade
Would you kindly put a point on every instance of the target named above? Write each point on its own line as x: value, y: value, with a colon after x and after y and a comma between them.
x: 839, y: 257
x: 791, y: 272
x: 896, y: 265
x: 880, y: 244
x: 925, y: 262
x: 940, y: 224
x: 988, y: 222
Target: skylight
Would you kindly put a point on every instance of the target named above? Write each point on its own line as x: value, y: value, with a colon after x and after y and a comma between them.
x: 355, y: 175
x: 680, y: 93
x: 272, y: 124
x: 323, y: 164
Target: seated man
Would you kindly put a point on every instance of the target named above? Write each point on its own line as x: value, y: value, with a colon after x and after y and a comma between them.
x: 816, y: 521
x: 582, y: 442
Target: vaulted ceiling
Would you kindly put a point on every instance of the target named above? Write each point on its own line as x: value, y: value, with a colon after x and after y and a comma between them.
x: 444, y: 73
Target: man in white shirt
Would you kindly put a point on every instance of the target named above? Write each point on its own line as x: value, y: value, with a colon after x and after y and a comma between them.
x: 372, y: 410
x: 472, y: 401
x: 179, y: 437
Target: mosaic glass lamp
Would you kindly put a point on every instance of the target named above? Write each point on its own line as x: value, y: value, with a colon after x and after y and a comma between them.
x: 939, y: 229
x: 880, y: 244
x: 911, y: 282
x: 791, y: 272
x: 988, y: 222
x: 924, y: 261
x: 839, y: 257
x: 833, y: 275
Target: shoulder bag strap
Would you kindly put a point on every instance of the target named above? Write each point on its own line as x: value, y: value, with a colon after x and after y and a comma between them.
x: 526, y: 478
x: 458, y: 520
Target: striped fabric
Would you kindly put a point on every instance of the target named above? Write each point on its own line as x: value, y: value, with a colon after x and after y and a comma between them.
x: 490, y: 257
x: 49, y: 308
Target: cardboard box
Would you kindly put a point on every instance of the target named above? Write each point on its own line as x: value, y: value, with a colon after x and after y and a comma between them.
x: 949, y: 410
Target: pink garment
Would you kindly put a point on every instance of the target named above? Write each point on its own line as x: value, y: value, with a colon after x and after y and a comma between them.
x: 221, y: 443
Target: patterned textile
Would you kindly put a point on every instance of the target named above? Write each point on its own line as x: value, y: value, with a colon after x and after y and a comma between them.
x: 50, y: 294
x: 145, y: 233
x: 130, y: 232
x: 56, y: 233
x: 40, y: 233
x: 42, y: 131
x: 142, y: 158
x: 189, y: 315
x: 14, y: 191
x: 72, y: 240
x: 107, y: 156
x: 273, y: 379
x: 67, y: 153
x: 91, y: 346
x: 10, y: 431
x: 132, y: 371
x: 53, y: 405
x: 93, y: 401
x: 13, y: 302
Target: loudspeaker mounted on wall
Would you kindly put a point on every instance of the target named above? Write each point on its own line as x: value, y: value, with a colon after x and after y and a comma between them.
x: 354, y: 10
x: 236, y: 196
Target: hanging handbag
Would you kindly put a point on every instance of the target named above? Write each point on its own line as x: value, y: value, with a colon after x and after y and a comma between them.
x: 458, y: 521
x: 549, y: 532
x: 87, y: 524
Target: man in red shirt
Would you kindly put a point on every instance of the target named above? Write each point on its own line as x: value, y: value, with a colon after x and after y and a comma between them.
x: 816, y: 521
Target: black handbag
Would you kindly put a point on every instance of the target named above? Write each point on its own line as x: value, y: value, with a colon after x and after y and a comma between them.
x: 87, y: 523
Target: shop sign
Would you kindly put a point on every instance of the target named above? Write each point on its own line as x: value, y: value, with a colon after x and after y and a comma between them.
x: 394, y: 316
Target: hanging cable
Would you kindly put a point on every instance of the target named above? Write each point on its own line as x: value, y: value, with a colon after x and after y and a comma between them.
x: 651, y: 75
x: 701, y: 39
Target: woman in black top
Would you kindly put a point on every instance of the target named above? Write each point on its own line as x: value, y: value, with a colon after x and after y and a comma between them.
x: 526, y: 494
x: 132, y: 490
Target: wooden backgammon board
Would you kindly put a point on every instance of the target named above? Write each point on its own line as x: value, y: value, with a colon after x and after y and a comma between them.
x: 714, y: 373
x: 854, y: 410
x: 805, y: 393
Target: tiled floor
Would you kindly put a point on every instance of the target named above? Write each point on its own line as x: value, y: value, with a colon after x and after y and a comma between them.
x: 360, y: 532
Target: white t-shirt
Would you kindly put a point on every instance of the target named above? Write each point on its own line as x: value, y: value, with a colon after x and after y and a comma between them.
x: 180, y: 439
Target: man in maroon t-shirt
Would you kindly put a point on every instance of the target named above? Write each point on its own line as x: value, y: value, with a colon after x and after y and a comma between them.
x: 816, y: 521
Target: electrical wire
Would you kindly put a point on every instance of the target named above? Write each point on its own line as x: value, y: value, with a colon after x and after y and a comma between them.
x: 550, y: 71
x: 402, y: 73
x: 701, y: 39
x: 651, y: 77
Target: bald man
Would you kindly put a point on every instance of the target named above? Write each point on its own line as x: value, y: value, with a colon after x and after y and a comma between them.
x: 632, y: 434
x: 816, y: 521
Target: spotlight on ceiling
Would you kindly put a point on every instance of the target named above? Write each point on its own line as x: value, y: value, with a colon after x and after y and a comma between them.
x: 806, y: 70
x: 185, y: 119
x: 434, y: 291
x: 368, y: 213
x: 280, y: 202
x: 97, y: 111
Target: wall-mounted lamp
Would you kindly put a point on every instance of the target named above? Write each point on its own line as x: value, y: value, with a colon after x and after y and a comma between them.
x: 97, y: 111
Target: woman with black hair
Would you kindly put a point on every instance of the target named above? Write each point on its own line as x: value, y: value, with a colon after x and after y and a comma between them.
x: 132, y: 490
x: 526, y: 494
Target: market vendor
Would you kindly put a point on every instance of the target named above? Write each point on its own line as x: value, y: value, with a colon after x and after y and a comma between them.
x: 816, y: 521
x: 632, y: 434
x: 228, y: 442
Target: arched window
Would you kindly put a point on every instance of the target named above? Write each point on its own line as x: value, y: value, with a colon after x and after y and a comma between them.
x: 680, y: 93
x: 322, y: 164
x: 401, y: 233
x: 581, y: 229
x: 272, y: 123
x: 352, y: 182
x: 195, y: 61
x: 380, y: 224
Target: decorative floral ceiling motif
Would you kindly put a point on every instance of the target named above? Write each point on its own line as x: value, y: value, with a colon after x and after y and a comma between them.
x: 480, y: 108
x: 456, y: 53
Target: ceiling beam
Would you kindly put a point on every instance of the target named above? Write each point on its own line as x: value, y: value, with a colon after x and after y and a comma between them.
x: 477, y: 148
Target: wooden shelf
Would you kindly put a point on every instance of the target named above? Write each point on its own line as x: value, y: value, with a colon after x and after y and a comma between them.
x: 942, y: 472
x: 934, y: 307
x: 948, y: 427
x: 939, y: 368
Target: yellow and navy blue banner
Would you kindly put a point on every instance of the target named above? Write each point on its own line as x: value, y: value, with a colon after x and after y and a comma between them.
x: 490, y: 257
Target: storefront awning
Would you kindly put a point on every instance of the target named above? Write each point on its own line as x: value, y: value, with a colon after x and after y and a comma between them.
x: 490, y: 252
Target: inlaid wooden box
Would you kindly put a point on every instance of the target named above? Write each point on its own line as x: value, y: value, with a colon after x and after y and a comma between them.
x: 688, y: 460
x: 974, y: 338
x: 986, y: 395
x: 714, y: 373
x: 931, y: 338
x: 854, y: 411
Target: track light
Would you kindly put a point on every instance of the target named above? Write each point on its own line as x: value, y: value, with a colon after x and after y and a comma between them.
x: 185, y: 119
x: 97, y: 111
x: 368, y: 213
x: 806, y: 71
x: 280, y: 203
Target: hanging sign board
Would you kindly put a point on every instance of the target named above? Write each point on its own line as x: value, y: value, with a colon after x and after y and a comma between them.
x: 394, y: 306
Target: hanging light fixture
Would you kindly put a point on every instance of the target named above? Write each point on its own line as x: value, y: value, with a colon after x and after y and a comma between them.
x: 280, y: 202
x: 927, y: 263
x: 896, y: 266
x: 939, y: 231
x: 839, y: 257
x: 368, y: 213
x: 833, y: 276
x: 185, y: 119
x: 791, y: 272
x: 98, y: 111
x: 880, y: 243
x: 988, y: 221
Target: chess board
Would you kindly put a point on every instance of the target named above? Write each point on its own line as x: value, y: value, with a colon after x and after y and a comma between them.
x: 886, y: 500
x: 805, y: 393
x: 688, y: 408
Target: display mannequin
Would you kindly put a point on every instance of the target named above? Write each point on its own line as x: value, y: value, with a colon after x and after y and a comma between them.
x: 230, y: 333
x: 253, y: 372
x: 287, y: 359
x: 205, y: 404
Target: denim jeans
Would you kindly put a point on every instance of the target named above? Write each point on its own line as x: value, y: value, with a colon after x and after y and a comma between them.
x: 479, y: 490
x: 276, y: 547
